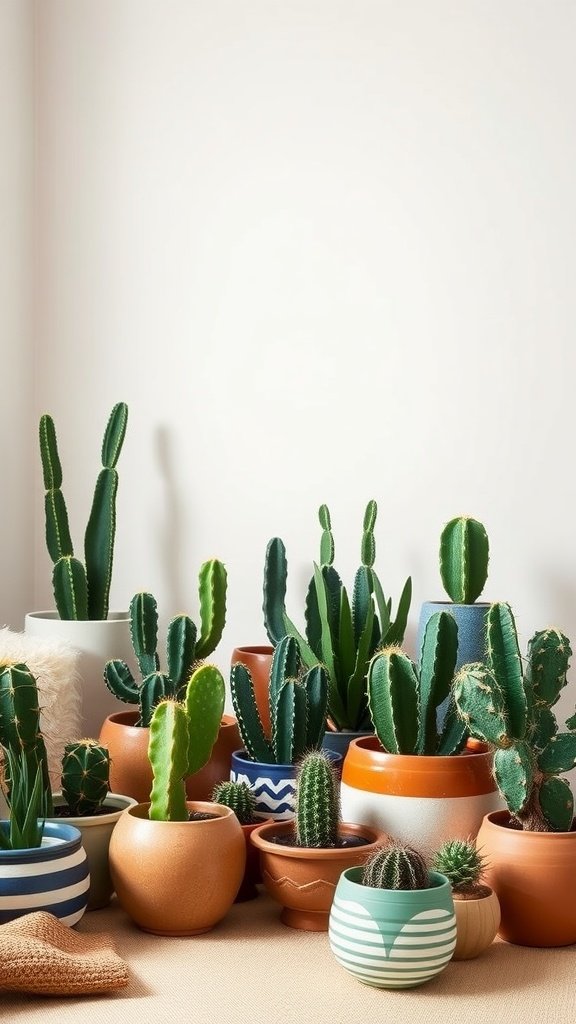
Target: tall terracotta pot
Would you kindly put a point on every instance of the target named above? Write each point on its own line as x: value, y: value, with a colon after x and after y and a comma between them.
x: 258, y: 661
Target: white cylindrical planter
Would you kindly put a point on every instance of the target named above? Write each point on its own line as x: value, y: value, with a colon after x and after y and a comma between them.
x: 97, y: 641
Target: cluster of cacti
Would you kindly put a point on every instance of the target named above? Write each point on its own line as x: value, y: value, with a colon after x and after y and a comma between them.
x: 317, y: 802
x: 396, y: 867
x: 297, y: 702
x: 464, y: 552
x: 81, y: 590
x: 239, y: 798
x: 511, y: 710
x: 182, y: 735
x: 20, y: 722
x: 340, y: 634
x: 403, y: 700
x: 85, y: 777
x: 461, y: 862
x: 28, y: 800
x: 183, y: 647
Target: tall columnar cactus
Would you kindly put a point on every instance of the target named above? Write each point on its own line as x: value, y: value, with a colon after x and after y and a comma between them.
x: 183, y: 647
x: 317, y: 802
x: 182, y: 735
x: 403, y: 701
x: 396, y: 867
x: 464, y: 552
x: 512, y: 711
x: 297, y: 707
x: 239, y: 798
x: 340, y: 634
x: 81, y: 591
x: 20, y: 722
x: 85, y: 777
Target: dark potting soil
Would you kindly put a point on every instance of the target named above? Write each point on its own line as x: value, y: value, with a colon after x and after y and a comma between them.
x: 344, y: 842
x: 64, y: 812
x: 201, y: 816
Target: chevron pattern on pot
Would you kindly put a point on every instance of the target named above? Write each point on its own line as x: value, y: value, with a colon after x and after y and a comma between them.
x: 274, y: 800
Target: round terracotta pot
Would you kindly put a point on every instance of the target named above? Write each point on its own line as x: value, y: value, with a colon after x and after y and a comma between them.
x: 534, y: 876
x: 420, y: 800
x: 477, y: 922
x: 304, y: 880
x: 258, y: 661
x: 177, y: 877
x: 130, y: 770
x: 252, y: 873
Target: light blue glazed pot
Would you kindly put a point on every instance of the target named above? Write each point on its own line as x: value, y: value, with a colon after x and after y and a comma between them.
x: 392, y: 938
x: 471, y: 622
x: 273, y: 785
x: 53, y: 877
x: 338, y: 742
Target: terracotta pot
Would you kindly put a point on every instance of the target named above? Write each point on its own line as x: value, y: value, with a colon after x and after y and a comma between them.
x: 477, y: 922
x: 420, y: 800
x: 130, y: 770
x: 252, y: 873
x: 304, y: 880
x: 177, y: 877
x: 534, y: 876
x: 258, y: 661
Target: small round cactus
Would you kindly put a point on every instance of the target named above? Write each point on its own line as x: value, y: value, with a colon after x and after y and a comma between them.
x: 396, y: 867
x: 462, y: 864
x: 85, y: 776
x: 317, y: 802
x: 239, y: 797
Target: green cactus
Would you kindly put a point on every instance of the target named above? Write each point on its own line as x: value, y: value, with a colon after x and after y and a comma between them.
x: 461, y: 862
x: 464, y: 553
x: 317, y: 802
x: 81, y: 591
x: 28, y: 801
x: 297, y: 707
x: 183, y: 648
x: 512, y: 712
x: 181, y: 739
x: 85, y: 777
x: 396, y: 867
x: 340, y: 634
x: 20, y: 722
x: 403, y: 700
x: 239, y: 797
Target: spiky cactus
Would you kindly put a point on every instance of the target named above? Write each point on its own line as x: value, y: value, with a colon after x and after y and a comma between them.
x: 20, y: 722
x: 396, y: 867
x: 464, y: 553
x: 340, y: 634
x: 81, y: 591
x: 85, y: 777
x: 183, y: 648
x: 181, y: 739
x: 297, y: 707
x: 462, y: 863
x: 403, y: 700
x: 511, y: 711
x: 239, y: 797
x: 317, y: 802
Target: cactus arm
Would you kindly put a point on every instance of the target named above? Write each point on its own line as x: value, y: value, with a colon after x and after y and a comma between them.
x: 454, y: 733
x: 313, y: 621
x: 289, y: 723
x: 557, y: 803
x: 327, y: 538
x: 464, y: 553
x: 346, y: 642
x: 114, y: 435
x: 393, y: 701
x: 395, y: 633
x: 560, y: 754
x: 168, y: 755
x: 51, y: 466
x: 286, y: 663
x: 323, y: 609
x: 545, y: 728
x: 361, y: 599
x: 503, y: 657
x: 514, y: 773
x: 275, y: 576
x: 246, y: 711
x: 549, y: 654
x: 154, y: 688
x: 70, y: 588
x: 437, y: 663
x: 368, y: 544
x: 356, y: 696
x: 99, y: 543
x: 571, y: 723
x: 180, y: 650
x: 212, y: 585
x: 481, y: 704
x: 120, y: 681
x: 204, y: 703
x: 58, y: 539
x: 315, y: 685
x: 144, y: 631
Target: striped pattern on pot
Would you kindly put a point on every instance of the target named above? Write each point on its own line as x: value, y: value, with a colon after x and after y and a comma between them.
x: 53, y: 877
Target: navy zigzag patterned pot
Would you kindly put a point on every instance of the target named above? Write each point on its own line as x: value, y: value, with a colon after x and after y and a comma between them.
x: 274, y: 785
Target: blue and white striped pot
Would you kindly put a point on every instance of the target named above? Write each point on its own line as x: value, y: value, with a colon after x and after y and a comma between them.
x: 52, y: 877
x: 273, y: 785
x: 392, y: 938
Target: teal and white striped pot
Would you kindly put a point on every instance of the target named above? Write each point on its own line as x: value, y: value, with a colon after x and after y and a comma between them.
x: 392, y: 938
x: 53, y: 877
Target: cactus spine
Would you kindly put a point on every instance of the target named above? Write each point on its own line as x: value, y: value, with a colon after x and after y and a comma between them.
x: 396, y: 867
x: 183, y: 648
x: 20, y: 723
x: 297, y: 707
x: 464, y: 552
x: 239, y: 797
x: 340, y: 634
x: 317, y: 802
x: 462, y: 864
x: 85, y: 777
x: 81, y: 591
x: 512, y: 712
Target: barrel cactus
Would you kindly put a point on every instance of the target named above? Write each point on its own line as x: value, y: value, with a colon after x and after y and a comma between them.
x: 85, y: 777
x: 239, y: 797
x: 317, y: 802
x: 396, y: 867
x: 464, y: 553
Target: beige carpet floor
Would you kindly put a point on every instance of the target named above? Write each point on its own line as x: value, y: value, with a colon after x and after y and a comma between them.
x: 251, y: 968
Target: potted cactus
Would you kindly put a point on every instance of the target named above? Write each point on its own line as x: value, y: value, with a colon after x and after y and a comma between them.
x: 342, y: 633
x: 301, y: 860
x: 392, y: 922
x: 531, y: 846
x: 195, y: 848
x: 297, y: 702
x: 418, y: 781
x: 82, y: 589
x: 240, y: 798
x: 476, y: 905
x: 126, y: 733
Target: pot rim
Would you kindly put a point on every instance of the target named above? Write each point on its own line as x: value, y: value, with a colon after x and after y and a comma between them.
x: 64, y: 838
x: 52, y: 615
x: 499, y: 820
x: 92, y: 820
x: 140, y: 812
x: 118, y: 718
x: 370, y: 768
x: 263, y: 650
x: 374, y: 836
x: 243, y: 756
x: 404, y: 895
x: 459, y: 604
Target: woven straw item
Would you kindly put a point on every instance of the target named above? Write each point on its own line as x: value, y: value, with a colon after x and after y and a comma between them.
x: 40, y: 954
